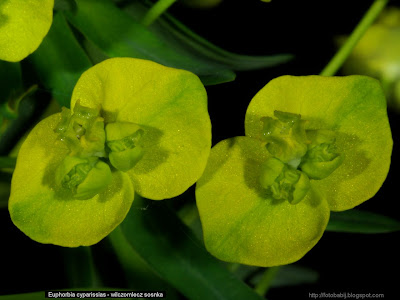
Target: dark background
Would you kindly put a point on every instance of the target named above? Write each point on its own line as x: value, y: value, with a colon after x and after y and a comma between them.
x: 346, y: 262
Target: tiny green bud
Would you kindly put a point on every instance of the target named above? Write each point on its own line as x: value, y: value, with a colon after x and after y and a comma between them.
x: 285, y: 136
x: 320, y: 161
x: 122, y: 143
x: 286, y: 117
x: 98, y: 178
x: 84, y: 177
x: 82, y: 131
x: 301, y: 189
x: 321, y: 136
x: 270, y: 170
x: 283, y: 181
x: 85, y: 113
x: 94, y: 138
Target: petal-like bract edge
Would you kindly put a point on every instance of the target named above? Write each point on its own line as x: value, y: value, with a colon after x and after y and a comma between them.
x: 48, y: 214
x: 240, y: 223
x: 23, y: 25
x: 169, y: 104
x: 355, y: 108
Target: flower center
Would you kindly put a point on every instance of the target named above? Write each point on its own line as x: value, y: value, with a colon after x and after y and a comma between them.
x: 122, y: 144
x: 82, y: 131
x: 84, y: 177
x: 88, y: 138
x: 297, y: 156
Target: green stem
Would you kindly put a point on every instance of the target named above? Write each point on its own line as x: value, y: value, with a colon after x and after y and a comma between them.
x: 337, y: 61
x: 156, y: 10
x: 264, y: 284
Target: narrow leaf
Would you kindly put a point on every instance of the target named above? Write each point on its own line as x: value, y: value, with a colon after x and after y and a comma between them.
x: 180, y: 37
x: 7, y: 162
x: 79, y: 267
x: 290, y: 275
x: 166, y: 244
x: 118, y: 35
x: 138, y: 273
x: 10, y: 80
x: 60, y: 60
x: 357, y: 221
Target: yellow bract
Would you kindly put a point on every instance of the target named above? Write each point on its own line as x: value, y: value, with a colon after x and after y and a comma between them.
x: 23, y: 25
x: 170, y: 105
x: 377, y: 54
x: 45, y: 211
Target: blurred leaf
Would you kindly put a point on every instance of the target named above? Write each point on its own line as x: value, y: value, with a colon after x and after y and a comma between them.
x: 10, y: 109
x: 138, y: 273
x: 5, y: 188
x: 7, y: 162
x: 357, y: 221
x: 64, y: 5
x: 79, y: 267
x: 288, y: 275
x: 118, y: 35
x: 182, y: 39
x: 12, y: 130
x: 167, y: 245
x: 294, y: 275
x: 60, y: 61
x: 10, y: 80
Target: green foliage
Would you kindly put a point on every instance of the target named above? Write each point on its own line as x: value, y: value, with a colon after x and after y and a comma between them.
x: 60, y: 61
x: 358, y: 221
x: 172, y: 250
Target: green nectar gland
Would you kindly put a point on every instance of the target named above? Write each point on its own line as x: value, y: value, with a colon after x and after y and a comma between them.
x: 297, y: 156
x: 321, y: 158
x: 122, y: 140
x: 82, y: 131
x: 84, y: 177
x: 285, y: 136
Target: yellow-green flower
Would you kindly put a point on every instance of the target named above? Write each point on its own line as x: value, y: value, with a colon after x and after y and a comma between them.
x: 378, y: 55
x: 313, y: 145
x: 23, y: 25
x: 134, y: 126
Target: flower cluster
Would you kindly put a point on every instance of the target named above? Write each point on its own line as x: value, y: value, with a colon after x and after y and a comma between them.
x: 134, y: 126
x: 313, y: 144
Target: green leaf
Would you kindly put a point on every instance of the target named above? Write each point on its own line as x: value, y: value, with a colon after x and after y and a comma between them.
x: 23, y: 25
x: 354, y: 108
x: 179, y: 37
x: 79, y: 267
x: 10, y: 81
x: 118, y: 35
x: 4, y: 192
x: 7, y: 162
x: 358, y: 221
x: 65, y: 5
x: 169, y: 105
x: 138, y: 273
x: 290, y: 275
x: 241, y: 223
x: 60, y: 60
x: 48, y: 213
x: 169, y: 247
